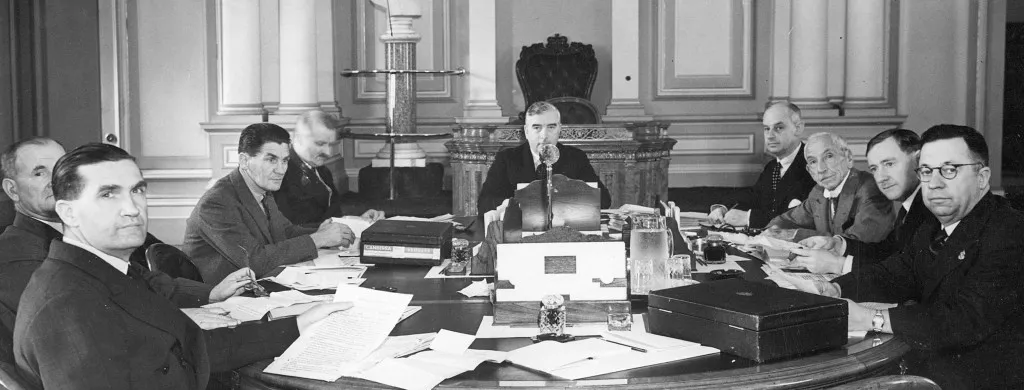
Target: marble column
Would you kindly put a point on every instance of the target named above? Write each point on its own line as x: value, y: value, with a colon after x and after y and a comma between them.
x: 865, y: 52
x: 400, y: 107
x: 808, y: 54
x: 625, y: 104
x: 481, y: 80
x: 298, y: 57
x: 240, y: 78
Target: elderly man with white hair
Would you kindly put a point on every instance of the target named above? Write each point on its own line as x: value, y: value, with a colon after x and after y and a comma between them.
x: 845, y: 201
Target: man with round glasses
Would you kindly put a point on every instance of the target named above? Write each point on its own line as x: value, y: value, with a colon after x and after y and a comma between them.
x: 964, y: 269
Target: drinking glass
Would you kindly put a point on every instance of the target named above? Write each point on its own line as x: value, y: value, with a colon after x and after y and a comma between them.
x: 650, y: 245
x: 679, y: 270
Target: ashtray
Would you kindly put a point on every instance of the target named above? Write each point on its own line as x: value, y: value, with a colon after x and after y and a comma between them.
x: 720, y: 274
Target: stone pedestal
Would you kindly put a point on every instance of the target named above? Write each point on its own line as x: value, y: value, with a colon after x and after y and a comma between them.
x: 631, y: 159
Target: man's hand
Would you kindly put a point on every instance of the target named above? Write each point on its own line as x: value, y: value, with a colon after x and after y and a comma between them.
x: 860, y: 317
x: 834, y: 244
x: 737, y: 217
x: 373, y: 215
x: 818, y: 261
x: 232, y: 285
x: 332, y: 234
x: 211, y: 318
x: 319, y: 312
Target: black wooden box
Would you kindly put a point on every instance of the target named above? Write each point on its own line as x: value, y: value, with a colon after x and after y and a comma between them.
x: 757, y: 321
x: 406, y: 242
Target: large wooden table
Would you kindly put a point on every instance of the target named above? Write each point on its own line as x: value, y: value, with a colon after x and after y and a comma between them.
x: 445, y: 308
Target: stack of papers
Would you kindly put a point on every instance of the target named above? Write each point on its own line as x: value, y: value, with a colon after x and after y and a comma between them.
x: 595, y: 356
x: 253, y: 309
x: 338, y: 344
x: 319, y: 277
x: 730, y: 263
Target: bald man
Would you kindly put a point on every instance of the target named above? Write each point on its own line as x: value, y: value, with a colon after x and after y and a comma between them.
x: 308, y: 195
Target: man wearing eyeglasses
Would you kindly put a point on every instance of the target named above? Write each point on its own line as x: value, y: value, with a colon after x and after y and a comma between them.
x: 845, y: 201
x: 964, y: 269
x: 892, y: 159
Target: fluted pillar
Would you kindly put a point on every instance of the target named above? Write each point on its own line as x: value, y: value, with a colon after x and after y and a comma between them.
x: 481, y: 80
x: 808, y: 72
x: 400, y: 53
x: 298, y: 56
x: 240, y: 79
x: 865, y: 52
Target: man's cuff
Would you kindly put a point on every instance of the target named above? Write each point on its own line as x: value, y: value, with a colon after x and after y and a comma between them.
x: 842, y: 245
x: 847, y: 265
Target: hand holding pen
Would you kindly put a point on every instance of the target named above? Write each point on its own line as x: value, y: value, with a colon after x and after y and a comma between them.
x: 252, y: 285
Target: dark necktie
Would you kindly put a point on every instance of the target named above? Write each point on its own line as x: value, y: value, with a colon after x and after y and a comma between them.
x: 938, y: 241
x: 266, y: 205
x: 136, y: 271
x: 831, y: 212
x: 899, y: 221
x: 542, y: 172
x: 776, y: 178
x: 309, y: 174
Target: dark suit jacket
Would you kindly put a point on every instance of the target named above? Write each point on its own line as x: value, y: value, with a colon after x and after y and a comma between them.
x: 303, y: 198
x: 515, y: 165
x: 968, y: 329
x: 228, y: 230
x: 795, y: 185
x: 863, y: 212
x: 25, y: 245
x: 84, y: 324
x: 865, y: 253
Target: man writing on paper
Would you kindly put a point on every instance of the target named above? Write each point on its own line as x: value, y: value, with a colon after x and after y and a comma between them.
x: 522, y: 164
x: 27, y: 167
x: 892, y: 159
x: 237, y: 223
x: 845, y: 200
x: 89, y: 318
x: 784, y: 183
x: 963, y: 267
x: 307, y: 194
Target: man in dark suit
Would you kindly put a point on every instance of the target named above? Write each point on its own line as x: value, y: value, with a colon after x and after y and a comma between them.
x: 963, y: 268
x: 308, y: 194
x: 522, y: 164
x: 784, y: 183
x: 237, y: 223
x: 845, y: 201
x: 892, y: 160
x: 27, y: 167
x: 89, y: 318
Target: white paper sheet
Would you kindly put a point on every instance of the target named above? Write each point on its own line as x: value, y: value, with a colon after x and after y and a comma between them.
x: 319, y: 277
x: 426, y: 369
x: 335, y: 345
x: 253, y: 309
x: 479, y: 288
x: 451, y: 342
x: 549, y: 355
x: 730, y: 263
x: 488, y: 330
x: 629, y: 359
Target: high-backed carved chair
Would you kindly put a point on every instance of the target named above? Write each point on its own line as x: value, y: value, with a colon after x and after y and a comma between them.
x: 562, y: 73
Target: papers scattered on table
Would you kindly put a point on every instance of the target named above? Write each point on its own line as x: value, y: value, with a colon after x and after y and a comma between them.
x: 488, y: 330
x: 319, y: 277
x: 331, y: 258
x: 253, y: 309
x: 479, y: 288
x: 730, y: 263
x: 336, y: 345
x: 590, y: 357
x: 802, y: 281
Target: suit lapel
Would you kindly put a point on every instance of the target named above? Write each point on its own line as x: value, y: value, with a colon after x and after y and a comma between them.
x: 529, y: 172
x: 248, y: 201
x: 960, y: 249
x: 131, y: 295
x: 819, y: 208
x: 36, y: 228
x: 845, y: 204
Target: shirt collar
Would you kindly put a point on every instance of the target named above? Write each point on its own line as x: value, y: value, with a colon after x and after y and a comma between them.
x: 59, y: 227
x: 910, y: 199
x: 257, y: 192
x: 787, y: 160
x: 117, y: 263
x: 949, y: 229
x: 835, y: 193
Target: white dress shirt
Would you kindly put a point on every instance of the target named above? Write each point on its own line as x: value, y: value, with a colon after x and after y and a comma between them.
x: 117, y: 263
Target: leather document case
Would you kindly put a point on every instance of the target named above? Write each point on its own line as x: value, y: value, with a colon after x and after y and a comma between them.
x: 757, y: 321
x: 406, y: 242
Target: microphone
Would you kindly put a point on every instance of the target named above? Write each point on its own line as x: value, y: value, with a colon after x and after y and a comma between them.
x: 548, y: 154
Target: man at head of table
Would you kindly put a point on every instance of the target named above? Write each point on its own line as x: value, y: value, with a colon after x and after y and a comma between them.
x: 962, y: 269
x: 237, y: 223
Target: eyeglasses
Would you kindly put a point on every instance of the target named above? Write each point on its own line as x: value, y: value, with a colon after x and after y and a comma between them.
x: 947, y: 171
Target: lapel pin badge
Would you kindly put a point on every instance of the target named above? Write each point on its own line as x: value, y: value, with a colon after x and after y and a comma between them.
x: 962, y: 255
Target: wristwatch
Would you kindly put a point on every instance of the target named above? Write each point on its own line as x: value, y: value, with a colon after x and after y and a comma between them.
x: 877, y: 322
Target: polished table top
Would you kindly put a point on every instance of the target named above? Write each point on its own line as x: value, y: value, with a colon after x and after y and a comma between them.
x: 444, y: 308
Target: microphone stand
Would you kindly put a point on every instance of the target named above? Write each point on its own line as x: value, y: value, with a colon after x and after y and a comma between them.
x: 550, y: 201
